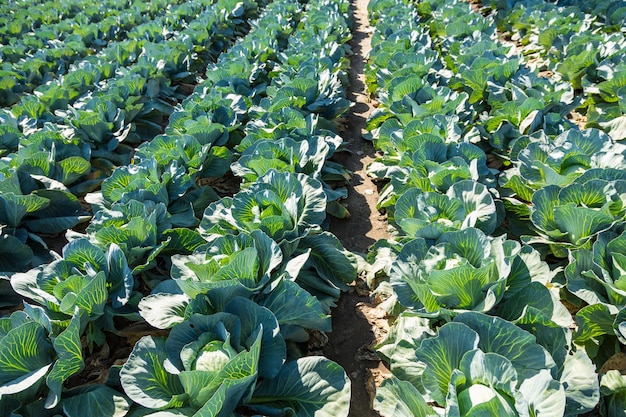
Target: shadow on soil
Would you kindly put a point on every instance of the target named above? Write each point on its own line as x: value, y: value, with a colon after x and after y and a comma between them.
x: 348, y: 345
x: 350, y: 342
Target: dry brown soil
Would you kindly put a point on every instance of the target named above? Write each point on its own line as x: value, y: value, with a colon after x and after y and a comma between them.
x: 357, y: 324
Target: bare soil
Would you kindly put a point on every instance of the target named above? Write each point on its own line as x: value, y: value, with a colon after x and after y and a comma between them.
x: 365, y: 225
x: 358, y: 325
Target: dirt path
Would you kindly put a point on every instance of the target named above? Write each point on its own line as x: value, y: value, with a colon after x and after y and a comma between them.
x: 366, y: 225
x: 357, y: 324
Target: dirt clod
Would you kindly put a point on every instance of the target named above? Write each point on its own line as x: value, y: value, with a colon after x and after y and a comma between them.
x: 615, y: 362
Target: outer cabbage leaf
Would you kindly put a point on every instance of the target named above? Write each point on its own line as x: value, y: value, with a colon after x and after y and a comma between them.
x: 32, y: 352
x: 442, y: 355
x: 308, y: 387
x: 329, y: 264
x: 163, y: 310
x: 15, y: 207
x: 526, y: 355
x: 51, y: 211
x: 146, y: 381
x: 15, y: 255
x: 25, y: 367
x: 294, y: 306
x: 533, y: 294
x: 101, y: 400
x: 63, y: 212
x: 397, y: 398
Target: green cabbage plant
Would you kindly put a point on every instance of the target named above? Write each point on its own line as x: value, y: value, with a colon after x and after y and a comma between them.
x: 48, y: 156
x: 290, y: 209
x: 171, y: 185
x: 225, y: 363
x: 283, y: 205
x: 412, y: 97
x: 97, y: 283
x: 40, y: 210
x: 394, y: 137
x: 426, y: 161
x: 246, y: 265
x: 401, y: 54
x: 276, y: 123
x: 597, y: 276
x: 308, y: 156
x: 430, y: 214
x: 607, y: 94
x: 193, y: 151
x: 479, y: 365
x: 540, y: 161
x: 467, y: 270
x: 527, y: 104
x: 142, y: 229
x: 571, y: 217
x: 230, y: 266
x: 319, y: 92
x: 284, y: 155
x: 462, y: 270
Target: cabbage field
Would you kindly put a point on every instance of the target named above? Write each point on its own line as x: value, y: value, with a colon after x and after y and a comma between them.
x: 169, y: 171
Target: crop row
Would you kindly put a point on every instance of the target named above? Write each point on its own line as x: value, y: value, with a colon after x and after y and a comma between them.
x: 581, y: 43
x: 167, y: 51
x: 33, y: 62
x: 19, y: 17
x: 503, y: 273
x: 236, y: 282
x: 63, y: 143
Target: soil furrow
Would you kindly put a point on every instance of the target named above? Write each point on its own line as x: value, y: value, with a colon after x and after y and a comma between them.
x: 357, y: 324
x: 366, y: 224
